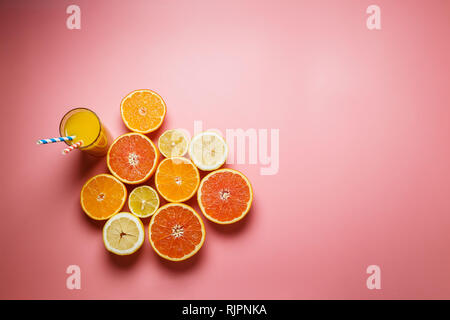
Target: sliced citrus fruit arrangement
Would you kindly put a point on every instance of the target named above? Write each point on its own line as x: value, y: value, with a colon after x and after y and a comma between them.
x: 177, y: 179
x: 208, y: 150
x: 123, y: 234
x: 102, y: 196
x: 143, y: 201
x: 143, y: 111
x: 132, y: 158
x: 173, y: 143
x: 176, y: 232
x: 225, y: 196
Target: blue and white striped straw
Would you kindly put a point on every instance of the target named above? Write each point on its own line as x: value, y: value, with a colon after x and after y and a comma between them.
x: 53, y: 140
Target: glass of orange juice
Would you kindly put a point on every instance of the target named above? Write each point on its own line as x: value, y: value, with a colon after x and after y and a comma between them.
x: 85, y: 125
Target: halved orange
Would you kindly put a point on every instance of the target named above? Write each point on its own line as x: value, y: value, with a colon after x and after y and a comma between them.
x: 132, y: 158
x: 225, y: 196
x: 102, y: 196
x: 177, y: 179
x: 143, y: 111
x: 176, y: 232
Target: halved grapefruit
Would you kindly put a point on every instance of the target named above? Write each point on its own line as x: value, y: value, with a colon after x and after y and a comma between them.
x: 225, y: 196
x: 132, y: 158
x: 176, y: 232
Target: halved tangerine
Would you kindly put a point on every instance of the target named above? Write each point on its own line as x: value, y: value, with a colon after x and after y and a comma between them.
x: 102, y: 196
x: 132, y: 158
x: 225, y: 196
x: 176, y: 232
x: 177, y: 179
x: 143, y: 111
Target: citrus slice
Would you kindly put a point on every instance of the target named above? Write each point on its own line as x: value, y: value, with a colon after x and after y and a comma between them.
x: 123, y: 234
x: 177, y: 179
x: 132, y: 158
x: 102, y: 196
x: 143, y: 111
x: 208, y: 151
x: 225, y: 196
x: 173, y: 143
x: 176, y: 232
x: 143, y: 201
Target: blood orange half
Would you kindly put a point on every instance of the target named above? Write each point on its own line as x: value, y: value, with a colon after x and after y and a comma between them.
x: 176, y: 232
x: 132, y: 158
x: 225, y: 196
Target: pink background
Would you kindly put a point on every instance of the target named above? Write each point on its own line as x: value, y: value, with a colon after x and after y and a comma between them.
x: 364, y: 119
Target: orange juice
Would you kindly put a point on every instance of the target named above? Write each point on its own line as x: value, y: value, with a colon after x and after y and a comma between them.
x: 85, y: 125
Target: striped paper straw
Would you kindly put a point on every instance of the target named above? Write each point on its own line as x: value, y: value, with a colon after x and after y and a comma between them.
x: 72, y: 147
x: 53, y: 140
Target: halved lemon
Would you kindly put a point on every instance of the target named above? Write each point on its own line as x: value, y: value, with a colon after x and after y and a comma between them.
x: 143, y: 201
x: 173, y: 143
x: 123, y: 234
x: 208, y: 150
